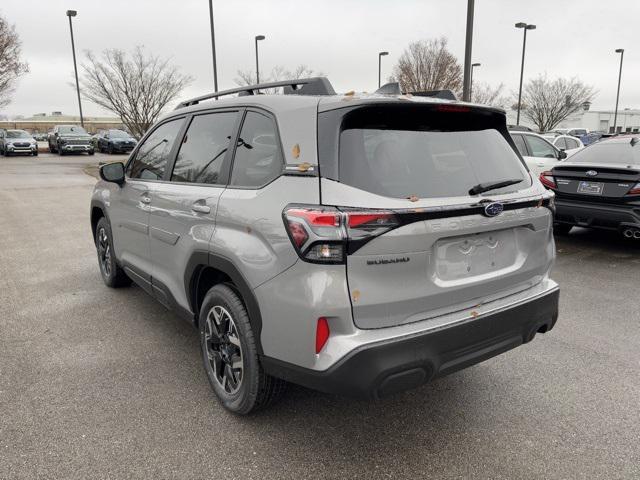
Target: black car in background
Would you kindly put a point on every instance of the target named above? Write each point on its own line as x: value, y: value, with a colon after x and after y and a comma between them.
x: 599, y: 187
x: 115, y: 141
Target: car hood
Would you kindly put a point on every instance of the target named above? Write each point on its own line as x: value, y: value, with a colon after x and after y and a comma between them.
x: 21, y: 139
x: 75, y: 136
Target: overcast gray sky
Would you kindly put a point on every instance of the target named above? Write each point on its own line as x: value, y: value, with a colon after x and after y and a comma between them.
x: 339, y: 38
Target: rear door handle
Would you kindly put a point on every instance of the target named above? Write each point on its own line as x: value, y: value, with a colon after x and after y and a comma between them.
x: 200, y: 208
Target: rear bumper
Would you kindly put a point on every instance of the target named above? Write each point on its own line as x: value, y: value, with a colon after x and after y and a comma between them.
x: 384, y: 368
x: 592, y: 215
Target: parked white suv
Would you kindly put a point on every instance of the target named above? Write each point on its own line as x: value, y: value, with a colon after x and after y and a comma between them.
x: 538, y: 153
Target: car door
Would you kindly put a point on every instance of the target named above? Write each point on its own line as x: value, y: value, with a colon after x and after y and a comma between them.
x: 183, y: 208
x: 130, y: 204
x: 544, y: 156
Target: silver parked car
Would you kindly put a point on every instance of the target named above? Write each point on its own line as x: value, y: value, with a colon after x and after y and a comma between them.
x: 13, y: 142
x: 360, y: 245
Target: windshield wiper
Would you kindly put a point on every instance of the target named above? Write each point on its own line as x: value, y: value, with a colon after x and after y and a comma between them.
x: 485, y: 187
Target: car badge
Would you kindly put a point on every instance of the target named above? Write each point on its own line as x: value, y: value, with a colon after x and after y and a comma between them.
x: 591, y: 173
x: 493, y: 209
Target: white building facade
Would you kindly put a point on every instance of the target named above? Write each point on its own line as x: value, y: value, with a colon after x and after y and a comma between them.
x: 593, y: 120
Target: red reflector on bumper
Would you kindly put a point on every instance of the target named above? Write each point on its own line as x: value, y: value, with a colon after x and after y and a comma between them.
x: 322, y: 333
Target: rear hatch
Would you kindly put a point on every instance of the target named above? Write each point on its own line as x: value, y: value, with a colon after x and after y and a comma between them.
x: 420, y: 245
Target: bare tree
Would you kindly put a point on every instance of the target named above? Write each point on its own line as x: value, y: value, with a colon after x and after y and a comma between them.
x: 136, y: 87
x: 248, y: 77
x: 547, y: 102
x: 485, y: 94
x: 11, y: 66
x: 428, y: 65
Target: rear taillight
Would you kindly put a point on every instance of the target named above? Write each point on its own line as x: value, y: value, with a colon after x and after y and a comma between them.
x: 547, y: 179
x: 635, y: 190
x: 321, y: 234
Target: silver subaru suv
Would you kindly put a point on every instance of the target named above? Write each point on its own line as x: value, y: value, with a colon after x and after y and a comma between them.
x: 354, y: 244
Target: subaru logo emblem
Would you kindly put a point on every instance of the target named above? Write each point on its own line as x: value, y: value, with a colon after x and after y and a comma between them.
x: 493, y: 209
x: 591, y: 173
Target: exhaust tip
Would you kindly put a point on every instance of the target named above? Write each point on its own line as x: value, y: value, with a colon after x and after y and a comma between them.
x: 636, y: 234
x: 628, y: 233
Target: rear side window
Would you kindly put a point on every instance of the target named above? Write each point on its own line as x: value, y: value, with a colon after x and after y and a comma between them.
x: 258, y: 159
x: 561, y: 143
x: 151, y: 159
x: 571, y: 143
x: 520, y: 145
x: 203, y: 148
x: 403, y: 153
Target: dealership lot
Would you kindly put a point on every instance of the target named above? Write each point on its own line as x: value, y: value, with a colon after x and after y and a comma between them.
x: 103, y: 383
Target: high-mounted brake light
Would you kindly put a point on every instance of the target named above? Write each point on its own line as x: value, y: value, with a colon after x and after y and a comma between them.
x: 635, y: 190
x: 321, y: 234
x: 453, y: 108
x: 546, y: 178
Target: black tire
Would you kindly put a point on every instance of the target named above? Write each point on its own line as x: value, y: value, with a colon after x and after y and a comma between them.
x: 562, y: 228
x: 51, y: 149
x: 251, y: 388
x: 110, y: 149
x: 91, y: 152
x: 112, y: 275
x: 35, y: 153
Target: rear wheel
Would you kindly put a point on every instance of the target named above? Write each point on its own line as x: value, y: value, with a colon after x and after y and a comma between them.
x: 112, y: 275
x: 230, y: 355
x: 562, y: 228
x: 110, y: 149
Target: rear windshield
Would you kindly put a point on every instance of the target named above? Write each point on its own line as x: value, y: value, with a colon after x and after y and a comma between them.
x: 609, y: 152
x: 402, y: 154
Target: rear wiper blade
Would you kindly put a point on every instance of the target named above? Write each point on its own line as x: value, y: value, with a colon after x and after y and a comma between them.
x: 485, y: 187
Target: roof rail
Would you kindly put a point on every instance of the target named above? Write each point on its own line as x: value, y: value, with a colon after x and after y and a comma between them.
x: 393, y: 88
x: 300, y: 86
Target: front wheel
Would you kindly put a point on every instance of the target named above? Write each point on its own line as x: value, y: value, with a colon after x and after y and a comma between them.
x: 112, y: 275
x: 230, y: 355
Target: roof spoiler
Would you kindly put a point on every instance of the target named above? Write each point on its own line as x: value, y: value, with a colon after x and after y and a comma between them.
x: 300, y: 86
x: 393, y: 88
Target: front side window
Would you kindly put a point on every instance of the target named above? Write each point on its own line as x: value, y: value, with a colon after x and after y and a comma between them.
x: 258, y: 159
x: 520, y: 145
x: 561, y: 143
x: 203, y: 148
x: 540, y: 148
x: 571, y: 143
x: 151, y: 159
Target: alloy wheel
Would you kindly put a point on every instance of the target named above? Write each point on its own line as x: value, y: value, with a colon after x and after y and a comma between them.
x: 224, y: 352
x: 104, y: 252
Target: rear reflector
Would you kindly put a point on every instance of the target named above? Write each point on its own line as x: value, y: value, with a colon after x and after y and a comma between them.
x: 322, y: 334
x: 546, y: 178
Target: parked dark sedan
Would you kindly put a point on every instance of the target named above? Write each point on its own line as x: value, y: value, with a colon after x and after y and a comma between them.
x: 115, y: 141
x: 599, y: 187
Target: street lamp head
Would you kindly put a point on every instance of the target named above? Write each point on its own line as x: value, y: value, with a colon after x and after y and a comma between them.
x: 620, y: 50
x: 259, y: 37
x: 476, y: 64
x: 521, y: 25
x: 530, y: 27
x: 71, y: 13
x: 382, y: 54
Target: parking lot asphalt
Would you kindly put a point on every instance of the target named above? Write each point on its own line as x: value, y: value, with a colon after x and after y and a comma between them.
x: 103, y: 383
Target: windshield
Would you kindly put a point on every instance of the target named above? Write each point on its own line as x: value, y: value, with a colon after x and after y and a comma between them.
x: 118, y: 134
x: 18, y: 134
x: 609, y: 152
x: 74, y: 130
x: 406, y: 152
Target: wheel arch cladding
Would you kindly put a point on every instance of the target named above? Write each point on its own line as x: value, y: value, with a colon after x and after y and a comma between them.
x: 97, y: 212
x: 204, y: 270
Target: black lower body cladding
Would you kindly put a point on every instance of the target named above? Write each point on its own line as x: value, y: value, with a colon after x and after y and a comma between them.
x: 381, y: 369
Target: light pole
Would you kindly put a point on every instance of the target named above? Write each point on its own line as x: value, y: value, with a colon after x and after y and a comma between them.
x: 473, y: 65
x: 526, y: 27
x: 258, y: 38
x: 73, y: 13
x: 213, y: 47
x: 380, y: 55
x: 615, y: 115
x: 466, y: 86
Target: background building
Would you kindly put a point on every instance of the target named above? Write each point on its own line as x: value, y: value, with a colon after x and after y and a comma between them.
x: 42, y: 122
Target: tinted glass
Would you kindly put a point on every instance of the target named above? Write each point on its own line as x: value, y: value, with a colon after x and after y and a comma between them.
x: 427, y: 164
x: 75, y: 130
x: 151, y: 158
x: 258, y: 159
x: 540, y: 148
x: 17, y: 134
x: 610, y: 152
x: 520, y: 145
x: 203, y: 148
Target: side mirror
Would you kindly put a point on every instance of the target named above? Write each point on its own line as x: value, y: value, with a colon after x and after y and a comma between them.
x: 113, y: 172
x: 562, y: 155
